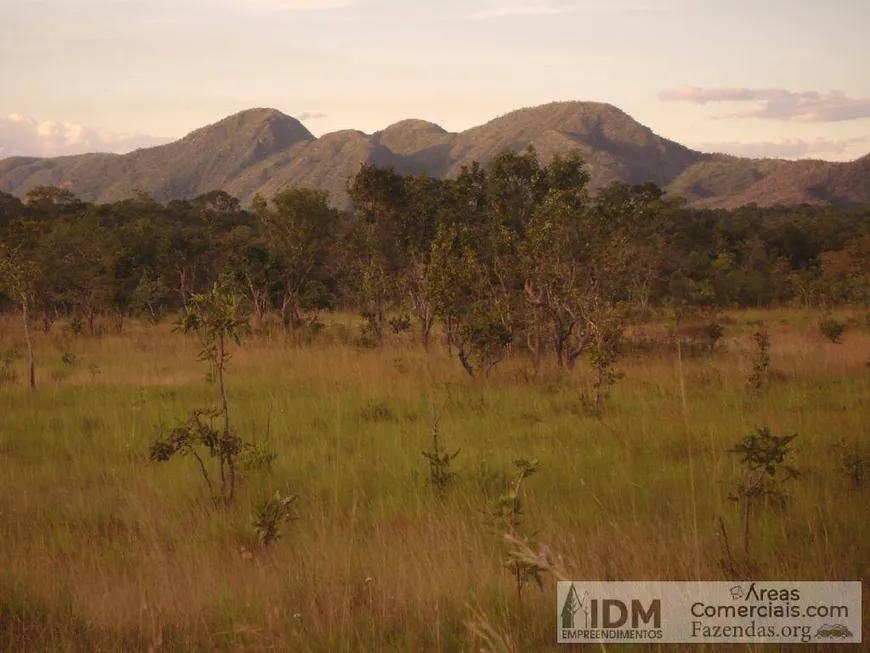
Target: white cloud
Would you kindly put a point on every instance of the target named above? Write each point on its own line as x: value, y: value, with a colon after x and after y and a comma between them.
x: 777, y: 103
x: 794, y: 148
x: 23, y: 136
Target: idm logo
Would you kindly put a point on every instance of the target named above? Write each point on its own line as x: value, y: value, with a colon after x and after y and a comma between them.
x: 588, y: 613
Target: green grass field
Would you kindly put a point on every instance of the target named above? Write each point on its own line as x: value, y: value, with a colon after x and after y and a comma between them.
x: 103, y: 550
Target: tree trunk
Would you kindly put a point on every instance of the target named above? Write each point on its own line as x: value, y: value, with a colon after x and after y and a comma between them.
x: 228, y: 495
x: 463, y: 358
x: 89, y: 313
x: 25, y: 305
x: 747, y: 510
x: 257, y: 300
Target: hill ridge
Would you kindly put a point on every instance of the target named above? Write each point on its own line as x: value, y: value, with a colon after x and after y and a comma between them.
x: 262, y: 150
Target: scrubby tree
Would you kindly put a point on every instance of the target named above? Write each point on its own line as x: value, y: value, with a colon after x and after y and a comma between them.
x: 18, y: 278
x: 301, y: 229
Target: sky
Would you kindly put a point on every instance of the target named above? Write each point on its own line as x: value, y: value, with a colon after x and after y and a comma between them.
x: 778, y: 78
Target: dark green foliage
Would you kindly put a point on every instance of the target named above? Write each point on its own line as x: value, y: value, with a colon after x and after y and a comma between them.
x: 603, y: 354
x: 831, y: 329
x: 515, y: 257
x: 761, y: 361
x: 196, y: 435
x: 400, y: 324
x: 440, y: 474
x: 855, y: 464
x: 714, y: 333
x: 763, y: 457
x: 76, y: 325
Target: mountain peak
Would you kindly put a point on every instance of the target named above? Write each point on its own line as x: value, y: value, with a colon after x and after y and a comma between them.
x: 263, y: 150
x: 415, y: 139
x: 414, y: 125
x: 282, y: 130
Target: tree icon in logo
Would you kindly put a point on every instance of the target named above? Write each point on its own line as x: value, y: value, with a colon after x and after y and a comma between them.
x: 574, y: 604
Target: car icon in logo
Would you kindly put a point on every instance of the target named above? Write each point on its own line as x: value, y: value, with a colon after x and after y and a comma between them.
x: 828, y: 631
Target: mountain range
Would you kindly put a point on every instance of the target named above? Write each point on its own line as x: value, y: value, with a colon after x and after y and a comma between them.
x: 263, y: 151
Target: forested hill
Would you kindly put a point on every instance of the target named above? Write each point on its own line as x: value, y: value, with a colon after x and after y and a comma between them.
x: 262, y: 151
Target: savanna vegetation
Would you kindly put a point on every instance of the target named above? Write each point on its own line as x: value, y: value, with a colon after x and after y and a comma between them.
x: 287, y: 427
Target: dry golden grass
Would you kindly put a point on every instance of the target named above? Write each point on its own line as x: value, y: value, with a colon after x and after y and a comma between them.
x: 102, y: 550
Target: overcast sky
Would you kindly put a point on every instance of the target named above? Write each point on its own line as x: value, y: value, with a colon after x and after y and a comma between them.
x: 753, y: 77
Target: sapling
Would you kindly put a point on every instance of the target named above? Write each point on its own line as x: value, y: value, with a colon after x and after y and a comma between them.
x: 440, y: 475
x: 216, y: 317
x: 603, y: 354
x: 269, y: 514
x: 508, y: 510
x: 761, y: 362
x: 763, y: 456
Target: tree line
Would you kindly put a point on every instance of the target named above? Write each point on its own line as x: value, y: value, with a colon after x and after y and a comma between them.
x: 518, y: 253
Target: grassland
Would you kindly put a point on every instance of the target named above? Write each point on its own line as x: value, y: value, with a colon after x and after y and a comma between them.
x: 102, y: 550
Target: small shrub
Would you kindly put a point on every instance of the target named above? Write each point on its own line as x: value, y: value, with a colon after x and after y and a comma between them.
x: 269, y: 514
x: 714, y: 333
x: 831, y: 329
x: 257, y: 458
x: 855, y: 465
x: 198, y: 433
x: 69, y: 359
x: 761, y: 362
x: 314, y: 325
x: 76, y: 325
x: 400, y: 324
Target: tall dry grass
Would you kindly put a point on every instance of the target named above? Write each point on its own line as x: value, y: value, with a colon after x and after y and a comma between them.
x: 102, y: 550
